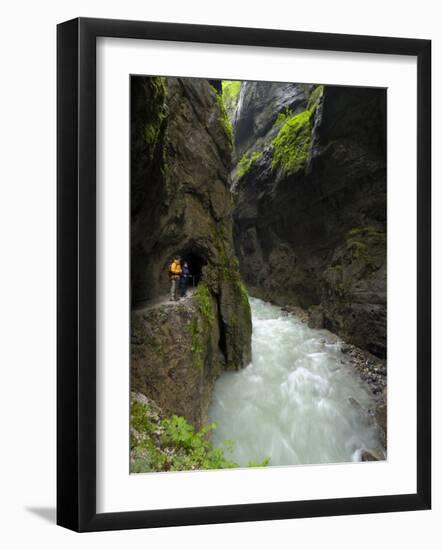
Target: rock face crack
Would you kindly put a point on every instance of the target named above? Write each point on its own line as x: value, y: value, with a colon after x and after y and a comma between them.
x: 222, y: 342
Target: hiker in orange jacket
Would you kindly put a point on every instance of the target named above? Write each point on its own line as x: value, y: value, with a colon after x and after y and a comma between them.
x: 174, y: 274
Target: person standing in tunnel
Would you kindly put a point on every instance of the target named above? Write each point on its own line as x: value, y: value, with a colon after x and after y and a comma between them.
x: 184, y: 276
x: 174, y: 273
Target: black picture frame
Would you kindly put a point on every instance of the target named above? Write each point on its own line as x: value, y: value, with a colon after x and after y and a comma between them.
x: 76, y: 273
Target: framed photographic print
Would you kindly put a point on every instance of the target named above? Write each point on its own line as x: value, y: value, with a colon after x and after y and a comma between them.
x: 243, y: 274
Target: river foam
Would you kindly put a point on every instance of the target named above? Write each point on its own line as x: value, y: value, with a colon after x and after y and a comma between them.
x: 297, y: 402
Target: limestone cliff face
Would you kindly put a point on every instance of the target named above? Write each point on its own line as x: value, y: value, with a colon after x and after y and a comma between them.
x: 181, y: 204
x: 259, y: 103
x: 310, y: 215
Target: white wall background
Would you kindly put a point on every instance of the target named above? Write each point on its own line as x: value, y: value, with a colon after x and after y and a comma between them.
x: 27, y: 273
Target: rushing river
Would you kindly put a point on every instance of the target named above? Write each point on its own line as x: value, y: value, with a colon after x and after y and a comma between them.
x: 295, y: 403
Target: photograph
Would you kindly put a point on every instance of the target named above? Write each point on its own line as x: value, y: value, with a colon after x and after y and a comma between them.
x: 258, y: 273
x: 220, y: 269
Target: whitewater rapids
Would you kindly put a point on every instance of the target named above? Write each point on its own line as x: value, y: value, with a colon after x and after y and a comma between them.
x: 298, y: 402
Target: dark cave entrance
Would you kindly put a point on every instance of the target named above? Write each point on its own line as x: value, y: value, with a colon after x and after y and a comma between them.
x: 195, y: 264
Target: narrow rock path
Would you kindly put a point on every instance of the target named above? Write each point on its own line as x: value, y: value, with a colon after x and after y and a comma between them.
x: 163, y: 301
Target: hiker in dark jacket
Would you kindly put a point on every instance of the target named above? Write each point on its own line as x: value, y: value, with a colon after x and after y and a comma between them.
x: 184, y: 278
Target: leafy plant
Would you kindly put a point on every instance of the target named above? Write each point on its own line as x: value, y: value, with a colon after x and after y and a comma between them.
x: 173, y: 444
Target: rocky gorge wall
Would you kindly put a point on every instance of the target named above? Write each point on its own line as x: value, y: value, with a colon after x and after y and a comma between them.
x: 309, y: 183
x: 181, y: 204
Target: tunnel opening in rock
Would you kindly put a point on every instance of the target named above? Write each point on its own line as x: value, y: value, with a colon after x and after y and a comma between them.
x: 195, y: 262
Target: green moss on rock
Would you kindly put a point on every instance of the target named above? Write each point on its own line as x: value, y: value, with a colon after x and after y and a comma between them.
x: 196, y: 343
x: 243, y: 292
x: 224, y: 280
x: 247, y: 161
x: 154, y: 112
x: 315, y: 98
x: 366, y: 245
x: 283, y: 116
x: 205, y: 303
x: 200, y: 326
x: 230, y: 94
x: 338, y: 283
x: 362, y: 253
x: 223, y: 119
x: 291, y: 147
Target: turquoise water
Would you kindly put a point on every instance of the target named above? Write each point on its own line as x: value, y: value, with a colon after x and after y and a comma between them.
x: 294, y: 404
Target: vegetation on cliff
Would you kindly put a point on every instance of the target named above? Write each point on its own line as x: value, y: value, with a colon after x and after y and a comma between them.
x: 291, y: 147
x: 224, y: 119
x: 226, y: 275
x: 169, y: 443
x: 154, y: 113
x: 201, y: 324
x: 366, y: 244
x: 246, y: 162
x: 356, y: 275
x: 361, y: 254
x: 230, y: 95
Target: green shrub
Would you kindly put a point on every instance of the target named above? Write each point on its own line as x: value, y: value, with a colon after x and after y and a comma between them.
x: 174, y: 444
x: 195, y: 450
